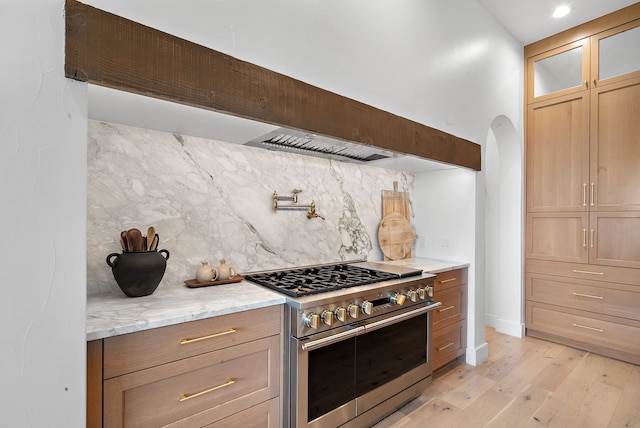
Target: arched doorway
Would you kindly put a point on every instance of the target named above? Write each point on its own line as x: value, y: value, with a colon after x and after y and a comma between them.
x: 503, y: 228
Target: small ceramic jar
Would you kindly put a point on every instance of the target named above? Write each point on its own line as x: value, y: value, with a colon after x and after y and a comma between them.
x: 204, y: 273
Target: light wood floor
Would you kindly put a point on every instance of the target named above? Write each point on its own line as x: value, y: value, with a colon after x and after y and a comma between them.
x: 528, y: 383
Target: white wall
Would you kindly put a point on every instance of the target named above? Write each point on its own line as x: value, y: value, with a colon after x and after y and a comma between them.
x: 43, y: 119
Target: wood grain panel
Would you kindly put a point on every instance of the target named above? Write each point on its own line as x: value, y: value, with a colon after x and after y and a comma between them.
x: 611, y: 336
x: 108, y: 50
x: 135, y: 351
x: 581, y: 271
x: 94, y: 384
x: 594, y: 296
x: 155, y: 396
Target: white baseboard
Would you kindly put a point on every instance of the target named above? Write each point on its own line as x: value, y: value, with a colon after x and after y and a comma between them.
x: 511, y: 328
x: 478, y: 355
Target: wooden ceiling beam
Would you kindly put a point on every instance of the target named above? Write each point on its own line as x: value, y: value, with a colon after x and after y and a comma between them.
x: 111, y: 51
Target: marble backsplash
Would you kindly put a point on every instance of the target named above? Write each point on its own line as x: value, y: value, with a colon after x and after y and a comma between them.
x: 210, y: 200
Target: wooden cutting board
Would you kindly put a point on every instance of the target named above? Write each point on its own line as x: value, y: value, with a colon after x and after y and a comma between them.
x: 395, y: 233
x: 396, y: 236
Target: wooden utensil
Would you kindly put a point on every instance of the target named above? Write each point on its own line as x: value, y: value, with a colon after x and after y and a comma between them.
x: 123, y: 240
x: 154, y: 242
x: 134, y: 240
x: 151, y: 235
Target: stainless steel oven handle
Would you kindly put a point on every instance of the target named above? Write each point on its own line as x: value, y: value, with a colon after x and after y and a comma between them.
x: 309, y: 346
x: 396, y: 319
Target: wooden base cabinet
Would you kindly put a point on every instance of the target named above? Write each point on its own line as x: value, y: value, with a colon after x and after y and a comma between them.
x: 593, y: 308
x: 449, y: 340
x: 222, y: 371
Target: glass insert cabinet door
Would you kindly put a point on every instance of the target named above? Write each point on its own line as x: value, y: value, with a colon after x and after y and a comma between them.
x: 559, y: 71
x: 616, y: 53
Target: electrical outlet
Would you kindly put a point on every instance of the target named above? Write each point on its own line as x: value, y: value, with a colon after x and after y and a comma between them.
x: 445, y: 243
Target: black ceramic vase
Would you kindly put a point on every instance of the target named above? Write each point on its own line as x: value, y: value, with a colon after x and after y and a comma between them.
x: 138, y: 273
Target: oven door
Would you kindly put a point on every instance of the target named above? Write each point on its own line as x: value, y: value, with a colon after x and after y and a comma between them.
x: 323, y: 378
x: 336, y: 377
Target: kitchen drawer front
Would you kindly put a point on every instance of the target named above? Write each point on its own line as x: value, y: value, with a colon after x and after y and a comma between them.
x: 195, y: 391
x: 616, y: 337
x: 585, y: 271
x: 454, y: 306
x: 448, y: 279
x: 263, y: 415
x: 448, y: 343
x: 136, y: 351
x: 606, y: 298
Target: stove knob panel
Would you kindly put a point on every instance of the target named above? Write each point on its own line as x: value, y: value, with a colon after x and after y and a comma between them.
x: 341, y: 313
x: 398, y: 299
x: 327, y: 317
x: 312, y: 320
x: 367, y: 307
x: 354, y: 310
x: 413, y: 295
x: 422, y: 293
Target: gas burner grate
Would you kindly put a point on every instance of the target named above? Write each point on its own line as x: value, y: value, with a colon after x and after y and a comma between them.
x: 300, y: 282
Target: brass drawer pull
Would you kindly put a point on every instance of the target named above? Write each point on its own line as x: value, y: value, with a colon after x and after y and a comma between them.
x: 447, y: 280
x: 446, y: 309
x: 211, y: 336
x: 185, y: 397
x: 589, y: 272
x: 445, y: 346
x: 588, y: 295
x: 588, y: 328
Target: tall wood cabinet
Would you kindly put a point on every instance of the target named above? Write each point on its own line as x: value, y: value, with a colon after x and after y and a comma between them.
x: 582, y: 162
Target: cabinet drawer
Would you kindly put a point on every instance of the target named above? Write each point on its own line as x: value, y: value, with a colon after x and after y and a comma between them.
x: 136, y: 351
x: 264, y: 415
x: 448, y: 343
x: 195, y: 391
x: 611, y: 336
x: 454, y: 306
x: 585, y: 271
x: 606, y: 298
x: 450, y: 279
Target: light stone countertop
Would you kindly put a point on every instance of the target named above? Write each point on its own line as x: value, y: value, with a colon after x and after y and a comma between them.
x: 112, y: 315
x: 429, y: 265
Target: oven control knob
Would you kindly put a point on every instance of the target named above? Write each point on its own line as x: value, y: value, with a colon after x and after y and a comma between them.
x: 367, y: 307
x: 327, y: 317
x: 398, y: 299
x: 425, y: 293
x: 429, y: 289
x: 341, y: 313
x: 413, y: 295
x: 312, y: 320
x: 354, y: 310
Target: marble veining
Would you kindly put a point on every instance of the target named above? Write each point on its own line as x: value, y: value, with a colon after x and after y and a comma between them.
x: 111, y: 315
x: 211, y: 200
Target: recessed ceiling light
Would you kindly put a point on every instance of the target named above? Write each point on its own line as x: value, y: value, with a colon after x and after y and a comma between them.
x: 561, y: 11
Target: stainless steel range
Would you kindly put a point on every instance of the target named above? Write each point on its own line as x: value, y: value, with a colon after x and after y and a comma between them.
x: 359, y: 338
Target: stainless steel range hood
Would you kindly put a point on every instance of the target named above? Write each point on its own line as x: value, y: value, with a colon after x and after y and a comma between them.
x: 304, y: 143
